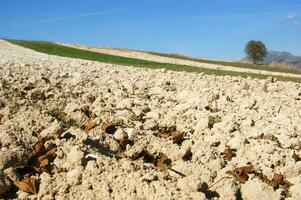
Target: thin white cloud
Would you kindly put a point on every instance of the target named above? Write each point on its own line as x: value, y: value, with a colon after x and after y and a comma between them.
x: 291, y: 16
x: 89, y: 14
x: 235, y: 16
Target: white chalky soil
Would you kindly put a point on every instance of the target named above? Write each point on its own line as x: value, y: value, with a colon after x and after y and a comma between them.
x: 34, y: 85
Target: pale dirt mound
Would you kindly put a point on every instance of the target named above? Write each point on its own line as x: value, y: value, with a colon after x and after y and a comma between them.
x: 117, y: 132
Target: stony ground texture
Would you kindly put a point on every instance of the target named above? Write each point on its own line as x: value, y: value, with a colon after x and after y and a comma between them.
x: 69, y: 103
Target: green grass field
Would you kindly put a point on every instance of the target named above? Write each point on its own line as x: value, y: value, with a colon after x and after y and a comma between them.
x: 59, y: 50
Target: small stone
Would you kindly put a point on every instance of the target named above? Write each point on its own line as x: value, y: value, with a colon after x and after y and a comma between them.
x: 54, y: 130
x: 120, y: 134
x: 75, y: 156
x: 150, y: 124
x: 256, y: 189
x: 202, y: 124
x: 153, y: 115
x: 74, y: 176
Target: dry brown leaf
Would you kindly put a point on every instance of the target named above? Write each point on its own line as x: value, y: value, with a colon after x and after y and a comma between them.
x: 143, y: 154
x: 277, y: 181
x: 44, y: 160
x: 171, y: 133
x: 41, y: 158
x: 89, y: 125
x: 121, y: 154
x: 109, y: 127
x: 27, y: 185
x: 38, y: 146
x: 278, y: 178
x: 165, y: 132
x: 177, y: 137
x: 296, y: 146
x: 286, y: 184
x: 241, y: 173
x: 162, y: 162
x: 271, y: 138
x: 92, y: 115
x: 266, y: 137
x: 229, y: 153
x: 296, y: 157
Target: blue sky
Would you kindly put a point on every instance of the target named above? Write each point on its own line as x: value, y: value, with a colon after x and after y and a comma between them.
x: 215, y: 29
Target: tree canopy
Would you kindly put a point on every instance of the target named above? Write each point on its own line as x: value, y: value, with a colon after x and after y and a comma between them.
x: 256, y: 51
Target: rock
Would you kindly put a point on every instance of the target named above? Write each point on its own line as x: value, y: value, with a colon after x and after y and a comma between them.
x: 74, y: 176
x: 75, y: 157
x: 153, y: 115
x: 120, y: 135
x: 191, y: 184
x: 150, y: 124
x: 256, y: 189
x: 54, y: 130
x: 131, y: 132
x: 202, y: 124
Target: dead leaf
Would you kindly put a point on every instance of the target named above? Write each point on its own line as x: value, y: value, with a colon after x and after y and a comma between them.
x: 286, y: 184
x: 165, y: 132
x: 43, y: 161
x: 277, y: 181
x: 38, y: 146
x: 278, y: 178
x: 177, y: 137
x: 89, y: 125
x: 271, y: 138
x: 241, y: 173
x: 92, y: 115
x: 228, y: 153
x: 109, y: 127
x: 27, y: 185
x: 120, y: 154
x: 296, y: 157
x: 162, y: 162
x: 266, y: 137
x: 147, y: 157
x: 171, y: 133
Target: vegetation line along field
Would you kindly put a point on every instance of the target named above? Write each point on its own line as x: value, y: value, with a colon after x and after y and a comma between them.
x: 59, y: 50
x: 245, y: 65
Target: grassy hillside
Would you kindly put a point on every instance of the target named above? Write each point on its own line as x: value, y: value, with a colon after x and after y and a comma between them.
x: 59, y: 50
x: 284, y: 69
